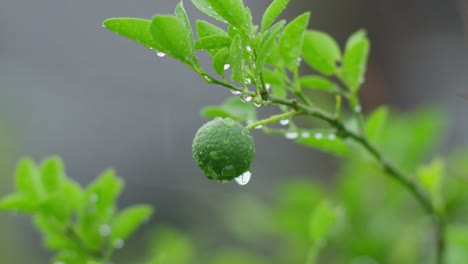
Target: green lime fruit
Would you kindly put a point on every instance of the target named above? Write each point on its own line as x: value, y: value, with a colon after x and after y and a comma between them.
x: 223, y: 149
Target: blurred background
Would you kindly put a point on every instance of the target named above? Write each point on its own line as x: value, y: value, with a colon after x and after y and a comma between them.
x: 71, y: 88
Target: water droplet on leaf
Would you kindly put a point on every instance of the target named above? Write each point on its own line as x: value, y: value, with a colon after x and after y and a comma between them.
x: 244, y: 178
x: 161, y: 54
x: 305, y: 134
x: 105, y: 230
x: 318, y: 136
x: 332, y: 137
x: 118, y: 243
x: 234, y: 92
x: 226, y: 66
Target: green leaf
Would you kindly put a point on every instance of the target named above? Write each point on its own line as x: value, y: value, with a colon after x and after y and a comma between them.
x: 355, y: 38
x: 321, y: 52
x: 327, y: 142
x: 170, y: 36
x: 171, y: 246
x: 28, y: 181
x: 182, y: 15
x: 376, y: 123
x: 355, y: 61
x: 319, y: 83
x: 75, y: 194
x: 206, y: 8
x: 272, y: 12
x: 291, y: 40
x: 233, y: 11
x: 52, y: 174
x: 274, y: 55
x: 17, y: 202
x: 205, y: 29
x: 430, y: 177
x: 219, y: 61
x: 129, y: 220
x: 136, y: 29
x: 234, y: 108
x: 103, y: 192
x: 212, y: 43
x: 322, y: 221
x: 236, y: 54
x: 268, y: 43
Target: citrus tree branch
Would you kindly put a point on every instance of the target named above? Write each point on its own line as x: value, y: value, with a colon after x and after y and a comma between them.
x: 387, y: 167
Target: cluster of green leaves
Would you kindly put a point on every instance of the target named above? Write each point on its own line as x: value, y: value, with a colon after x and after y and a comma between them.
x: 262, y: 56
x: 80, y: 225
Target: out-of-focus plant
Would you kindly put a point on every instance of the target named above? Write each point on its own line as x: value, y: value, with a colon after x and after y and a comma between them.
x: 80, y: 225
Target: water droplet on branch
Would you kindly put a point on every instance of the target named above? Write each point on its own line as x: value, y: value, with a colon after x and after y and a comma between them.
x: 284, y: 122
x: 291, y: 135
x: 161, y: 54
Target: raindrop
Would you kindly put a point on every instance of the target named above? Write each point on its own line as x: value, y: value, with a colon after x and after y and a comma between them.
x: 248, y: 81
x: 247, y: 98
x: 248, y: 48
x: 357, y: 109
x: 118, y: 243
x: 284, y: 122
x: 160, y: 54
x: 235, y: 92
x: 207, y: 78
x: 244, y: 178
x: 258, y: 127
x: 257, y: 104
x: 305, y: 134
x: 332, y: 137
x: 318, y: 136
x: 268, y: 86
x: 105, y: 230
x: 226, y: 66
x: 291, y: 135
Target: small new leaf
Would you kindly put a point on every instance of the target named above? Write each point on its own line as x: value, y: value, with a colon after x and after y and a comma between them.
x: 268, y: 43
x: 205, y: 29
x: 236, y: 53
x: 319, y: 83
x: 321, y: 52
x: 128, y: 220
x: 212, y: 43
x: 233, y: 108
x: 232, y: 11
x: 52, y: 174
x: 136, y: 29
x: 206, y: 8
x: 219, y: 61
x: 182, y: 15
x: 28, y: 181
x: 355, y: 61
x: 171, y: 36
x: 322, y: 221
x: 376, y: 124
x: 272, y: 12
x: 291, y: 40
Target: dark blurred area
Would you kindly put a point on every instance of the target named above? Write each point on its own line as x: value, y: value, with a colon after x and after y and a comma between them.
x: 71, y: 88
